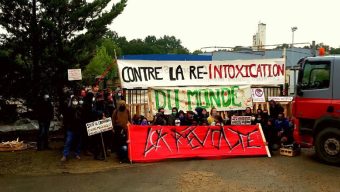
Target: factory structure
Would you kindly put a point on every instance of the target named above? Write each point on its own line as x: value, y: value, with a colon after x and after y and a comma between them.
x: 259, y: 39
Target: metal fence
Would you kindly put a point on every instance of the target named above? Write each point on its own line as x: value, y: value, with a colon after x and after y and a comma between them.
x: 138, y: 99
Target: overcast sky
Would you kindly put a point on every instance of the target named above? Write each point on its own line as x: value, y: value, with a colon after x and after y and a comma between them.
x: 201, y: 23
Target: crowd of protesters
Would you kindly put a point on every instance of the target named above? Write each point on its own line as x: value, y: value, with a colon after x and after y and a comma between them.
x: 277, y: 128
x: 79, y: 108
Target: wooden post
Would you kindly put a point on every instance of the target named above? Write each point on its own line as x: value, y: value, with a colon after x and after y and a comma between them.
x: 101, y: 136
x: 150, y: 104
x: 285, y: 64
x: 264, y: 140
x: 129, y: 145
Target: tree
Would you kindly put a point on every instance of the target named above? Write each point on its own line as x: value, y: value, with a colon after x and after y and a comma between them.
x: 334, y: 50
x: 104, y: 58
x: 284, y: 45
x: 50, y: 36
x: 150, y: 45
x: 197, y: 52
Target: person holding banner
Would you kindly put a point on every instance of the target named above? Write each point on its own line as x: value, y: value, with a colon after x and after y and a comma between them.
x: 93, y: 112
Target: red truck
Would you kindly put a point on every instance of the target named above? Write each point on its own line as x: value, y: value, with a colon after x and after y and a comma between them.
x: 316, y: 107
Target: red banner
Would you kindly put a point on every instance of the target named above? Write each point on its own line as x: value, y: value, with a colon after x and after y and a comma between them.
x: 153, y: 143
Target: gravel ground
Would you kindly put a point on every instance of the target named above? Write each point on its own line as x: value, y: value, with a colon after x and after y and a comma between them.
x: 279, y: 173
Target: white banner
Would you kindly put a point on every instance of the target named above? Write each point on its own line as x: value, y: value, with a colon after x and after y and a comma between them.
x: 258, y: 95
x: 143, y: 73
x: 100, y: 126
x: 224, y: 98
x: 241, y: 120
x: 282, y: 99
x: 74, y: 74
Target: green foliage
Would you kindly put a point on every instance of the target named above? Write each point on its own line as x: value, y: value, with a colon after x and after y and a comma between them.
x: 284, y: 45
x: 197, y: 52
x: 64, y: 34
x: 150, y: 45
x: 103, y: 58
x: 335, y: 51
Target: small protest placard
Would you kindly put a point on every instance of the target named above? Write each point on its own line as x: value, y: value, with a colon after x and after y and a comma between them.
x: 100, y: 126
x: 241, y: 120
x: 281, y: 99
x: 74, y: 74
x: 258, y: 95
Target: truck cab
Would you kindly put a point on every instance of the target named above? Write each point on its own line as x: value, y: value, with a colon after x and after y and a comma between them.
x: 316, y: 107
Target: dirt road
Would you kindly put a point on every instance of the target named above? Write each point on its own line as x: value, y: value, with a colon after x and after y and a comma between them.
x: 302, y: 173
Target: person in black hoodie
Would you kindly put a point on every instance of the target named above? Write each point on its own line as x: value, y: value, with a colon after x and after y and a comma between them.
x: 275, y: 109
x: 45, y: 113
x: 173, y: 116
x: 181, y: 117
x: 73, y: 125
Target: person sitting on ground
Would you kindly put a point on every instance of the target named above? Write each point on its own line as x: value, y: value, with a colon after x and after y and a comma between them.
x: 284, y: 130
x: 213, y: 113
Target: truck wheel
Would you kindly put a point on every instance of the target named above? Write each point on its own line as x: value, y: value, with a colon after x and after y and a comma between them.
x: 327, y: 145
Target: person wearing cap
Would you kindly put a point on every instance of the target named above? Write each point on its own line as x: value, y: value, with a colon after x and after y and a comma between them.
x: 45, y: 113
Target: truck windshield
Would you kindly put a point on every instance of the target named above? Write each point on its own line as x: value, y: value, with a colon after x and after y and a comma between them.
x: 315, y: 75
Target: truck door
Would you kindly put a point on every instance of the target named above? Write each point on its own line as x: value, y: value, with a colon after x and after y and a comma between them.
x: 336, y: 88
x: 314, y: 92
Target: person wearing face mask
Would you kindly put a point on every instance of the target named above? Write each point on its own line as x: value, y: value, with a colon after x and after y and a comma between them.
x: 283, y: 130
x: 191, y: 120
x: 73, y: 125
x: 45, y: 114
x: 259, y: 119
x: 181, y: 118
x: 213, y: 113
x: 118, y: 96
x: 173, y: 116
x: 144, y: 121
x: 160, y: 118
x: 120, y: 119
x: 202, y: 115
